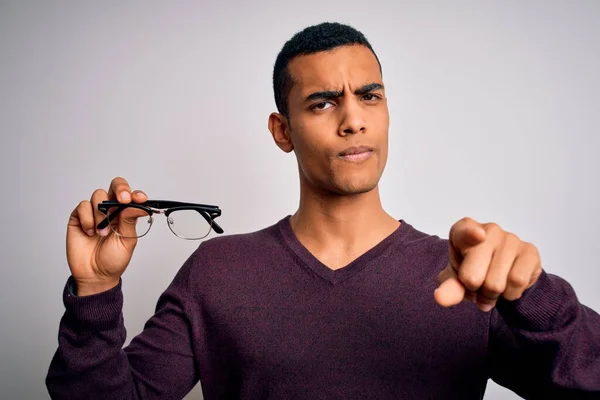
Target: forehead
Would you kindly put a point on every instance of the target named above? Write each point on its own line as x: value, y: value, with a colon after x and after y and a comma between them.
x: 347, y: 66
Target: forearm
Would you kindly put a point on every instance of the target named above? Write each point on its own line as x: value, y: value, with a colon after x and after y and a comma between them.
x: 546, y: 342
x: 90, y: 362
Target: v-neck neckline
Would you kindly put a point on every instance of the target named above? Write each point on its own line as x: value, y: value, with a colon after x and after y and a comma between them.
x: 335, y: 276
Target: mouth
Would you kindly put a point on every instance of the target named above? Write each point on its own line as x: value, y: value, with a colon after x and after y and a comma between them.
x: 356, y: 154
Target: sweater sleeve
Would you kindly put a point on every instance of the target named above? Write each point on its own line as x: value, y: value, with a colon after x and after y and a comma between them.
x: 91, y: 363
x: 546, y: 345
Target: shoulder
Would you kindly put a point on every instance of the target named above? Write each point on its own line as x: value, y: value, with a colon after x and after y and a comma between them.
x: 240, y: 244
x: 420, y: 241
x: 236, y: 252
x: 424, y: 250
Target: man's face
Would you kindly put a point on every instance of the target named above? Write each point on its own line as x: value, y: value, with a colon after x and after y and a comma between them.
x: 338, y: 119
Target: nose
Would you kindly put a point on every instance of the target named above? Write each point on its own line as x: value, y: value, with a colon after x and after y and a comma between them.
x: 353, y: 120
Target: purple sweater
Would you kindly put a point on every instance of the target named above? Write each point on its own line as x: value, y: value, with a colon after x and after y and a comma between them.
x: 257, y: 316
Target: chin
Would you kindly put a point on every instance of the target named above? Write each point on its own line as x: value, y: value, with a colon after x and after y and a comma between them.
x: 355, y: 179
x: 354, y: 187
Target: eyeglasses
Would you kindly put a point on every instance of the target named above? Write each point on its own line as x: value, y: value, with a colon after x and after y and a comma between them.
x: 186, y: 220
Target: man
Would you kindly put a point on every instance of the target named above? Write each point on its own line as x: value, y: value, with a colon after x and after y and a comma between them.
x: 339, y: 300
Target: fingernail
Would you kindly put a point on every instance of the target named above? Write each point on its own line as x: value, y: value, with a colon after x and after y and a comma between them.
x: 125, y: 196
x: 104, y: 231
x: 90, y: 232
x: 485, y: 307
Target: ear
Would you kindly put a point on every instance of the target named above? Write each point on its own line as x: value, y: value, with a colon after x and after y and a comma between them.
x: 278, y: 125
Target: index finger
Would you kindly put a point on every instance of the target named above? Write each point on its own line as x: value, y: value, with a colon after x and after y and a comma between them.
x: 120, y: 190
x: 465, y: 234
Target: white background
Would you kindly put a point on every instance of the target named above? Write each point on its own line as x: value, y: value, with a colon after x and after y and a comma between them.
x: 494, y: 114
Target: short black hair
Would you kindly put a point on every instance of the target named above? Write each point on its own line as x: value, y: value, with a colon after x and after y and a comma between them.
x: 313, y: 39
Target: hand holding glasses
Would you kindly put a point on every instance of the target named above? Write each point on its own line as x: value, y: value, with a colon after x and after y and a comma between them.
x: 188, y: 221
x: 102, y: 232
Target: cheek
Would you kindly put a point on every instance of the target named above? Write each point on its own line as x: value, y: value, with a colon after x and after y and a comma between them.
x: 382, y: 127
x: 383, y: 119
x: 384, y: 157
x: 314, y: 156
x: 312, y: 139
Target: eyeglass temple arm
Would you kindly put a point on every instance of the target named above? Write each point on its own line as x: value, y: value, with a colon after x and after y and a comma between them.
x: 103, y: 207
x: 213, y: 223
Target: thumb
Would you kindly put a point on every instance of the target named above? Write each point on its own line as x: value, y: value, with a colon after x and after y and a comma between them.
x: 134, y: 222
x: 450, y: 291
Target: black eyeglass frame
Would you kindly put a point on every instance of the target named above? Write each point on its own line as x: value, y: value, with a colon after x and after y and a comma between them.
x: 208, y: 212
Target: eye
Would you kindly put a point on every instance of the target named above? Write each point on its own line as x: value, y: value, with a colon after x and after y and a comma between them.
x: 322, y: 106
x: 371, y: 97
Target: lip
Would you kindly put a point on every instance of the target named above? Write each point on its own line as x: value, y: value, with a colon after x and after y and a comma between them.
x: 355, y: 150
x: 356, y: 153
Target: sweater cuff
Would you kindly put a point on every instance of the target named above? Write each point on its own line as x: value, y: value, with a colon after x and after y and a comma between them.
x: 539, y: 306
x: 98, y: 311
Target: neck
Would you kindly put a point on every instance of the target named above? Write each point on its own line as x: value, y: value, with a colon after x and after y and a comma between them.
x: 336, y: 226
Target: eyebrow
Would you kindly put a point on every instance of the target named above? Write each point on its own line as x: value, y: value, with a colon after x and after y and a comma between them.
x: 334, y: 94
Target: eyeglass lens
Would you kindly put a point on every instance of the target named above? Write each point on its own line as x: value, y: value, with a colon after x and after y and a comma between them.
x: 186, y: 224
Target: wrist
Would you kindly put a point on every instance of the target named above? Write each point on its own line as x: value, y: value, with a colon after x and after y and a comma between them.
x: 540, y: 304
x: 91, y: 287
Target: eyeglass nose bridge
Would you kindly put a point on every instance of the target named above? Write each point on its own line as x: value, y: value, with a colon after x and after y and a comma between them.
x: 157, y: 210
